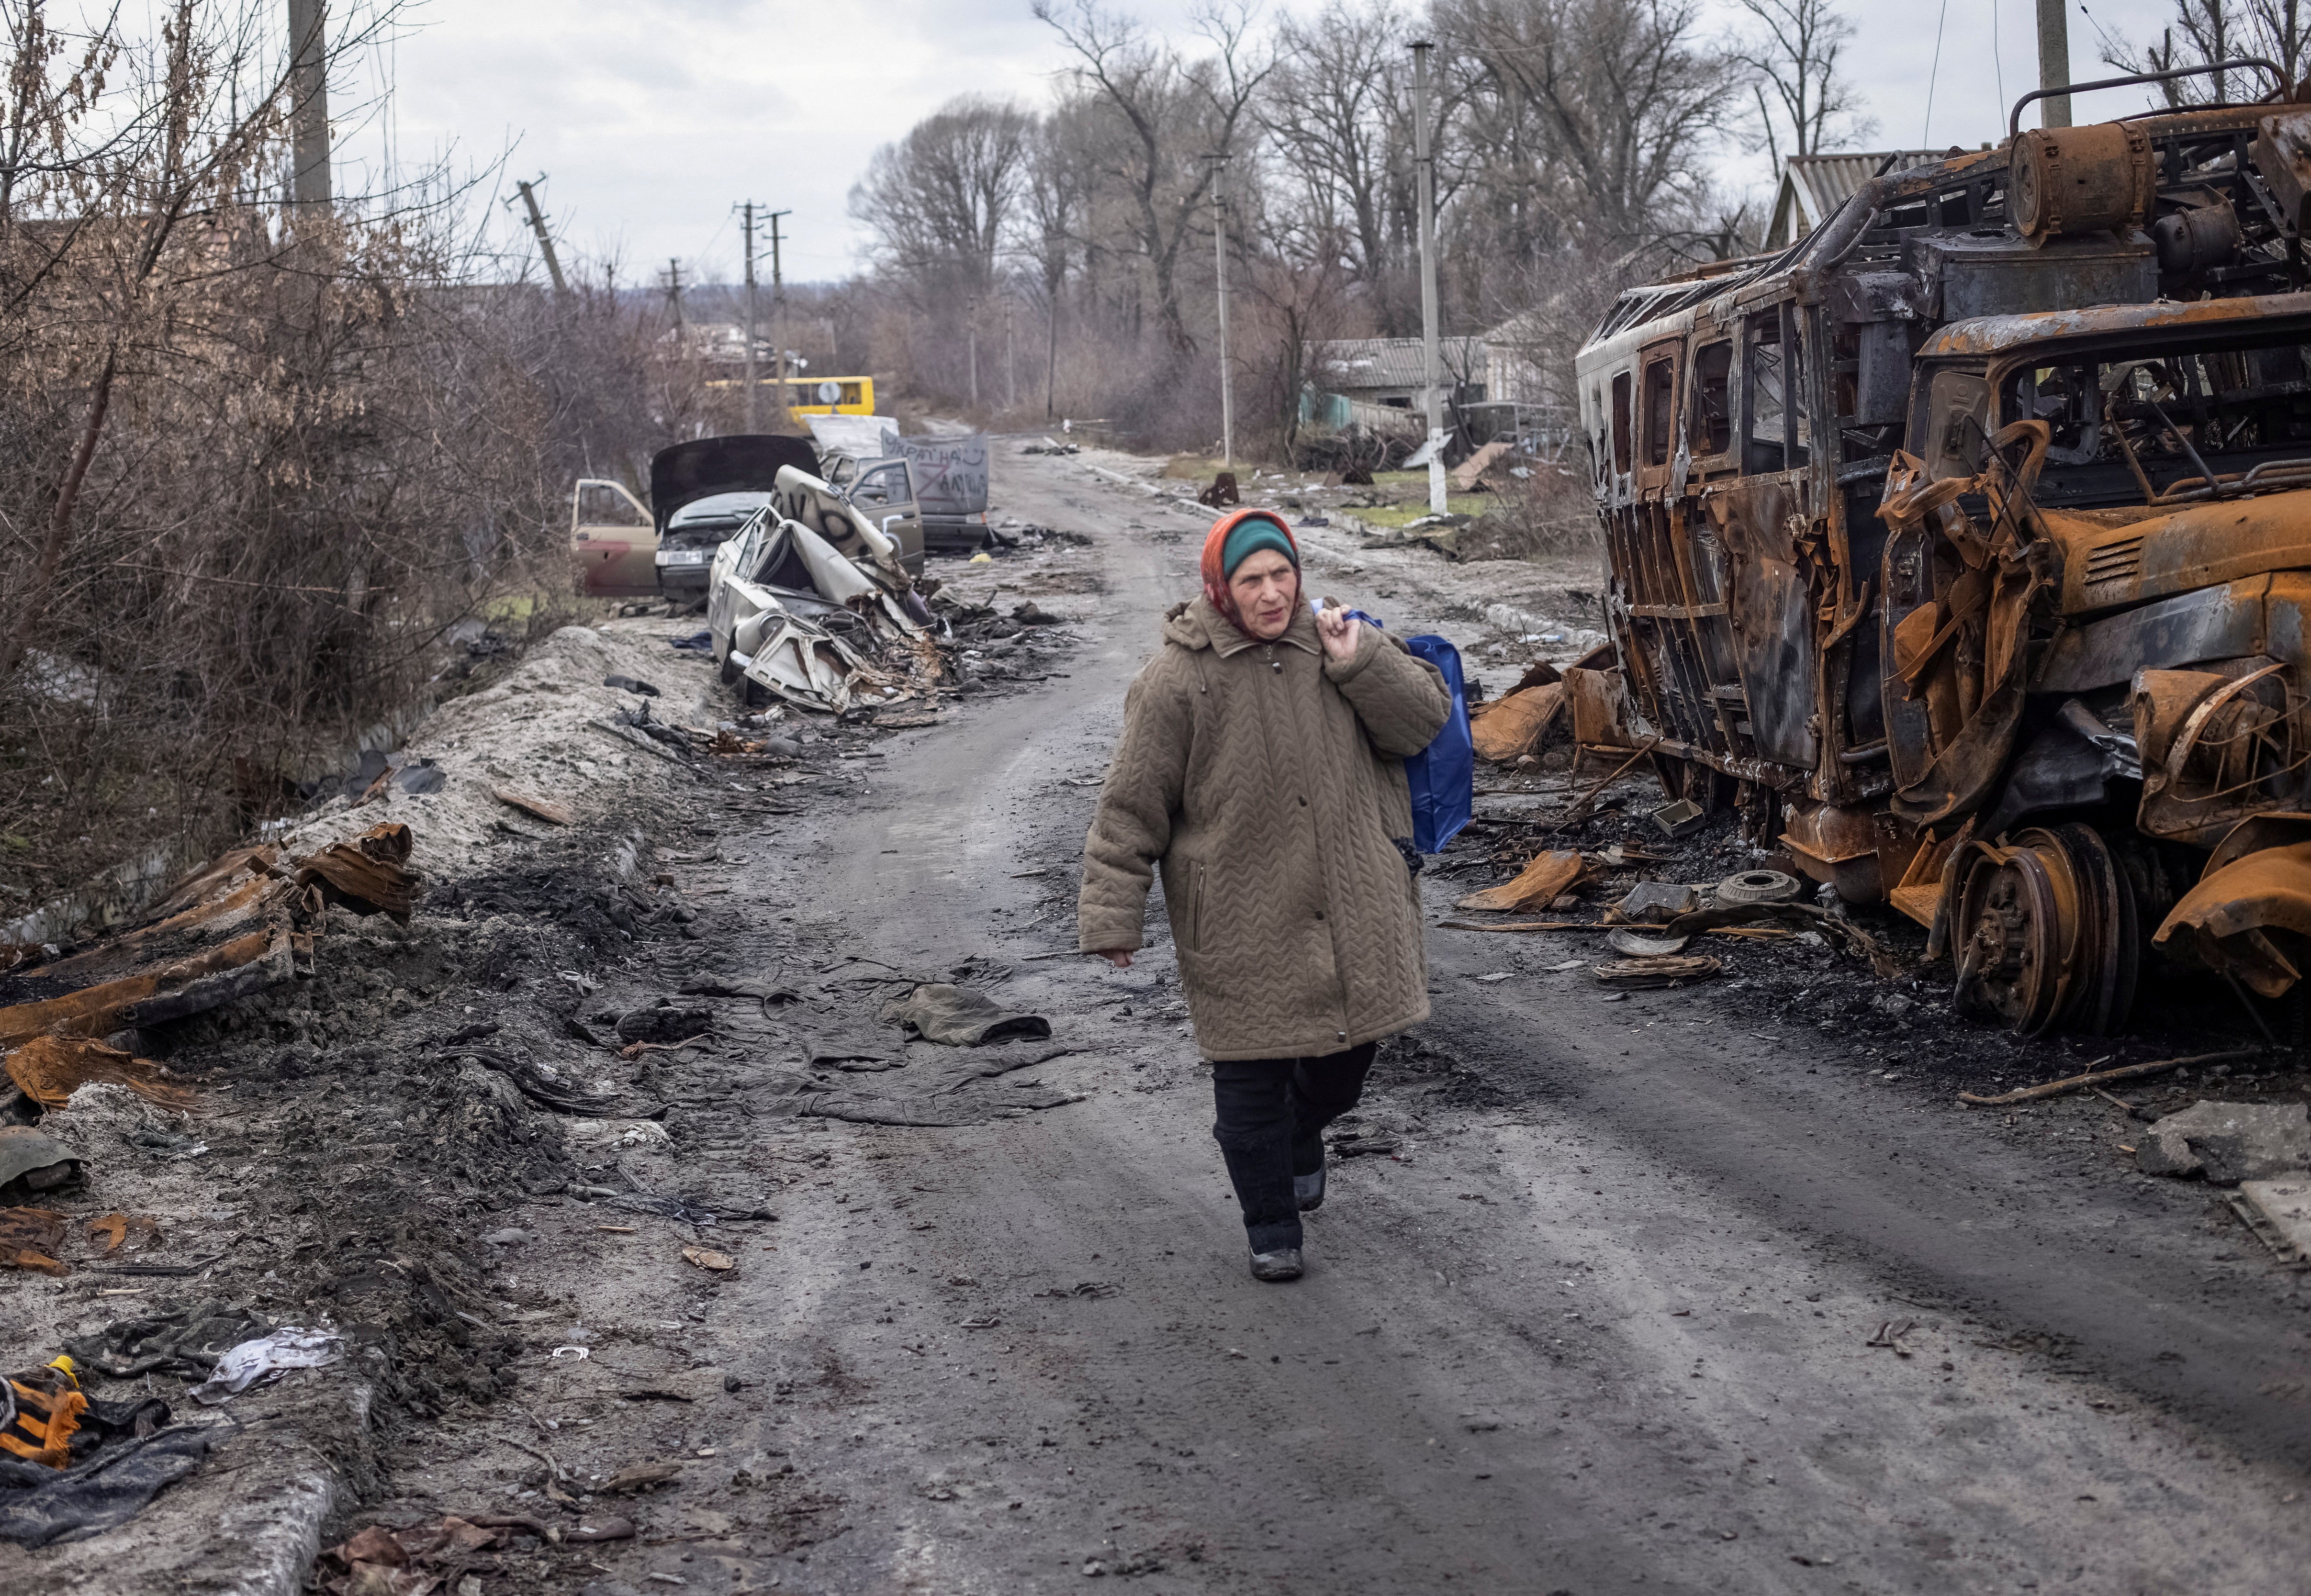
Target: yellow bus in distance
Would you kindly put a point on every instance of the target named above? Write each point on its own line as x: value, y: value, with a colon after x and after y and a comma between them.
x: 831, y: 396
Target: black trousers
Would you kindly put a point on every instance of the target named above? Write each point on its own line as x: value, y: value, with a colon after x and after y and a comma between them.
x: 1272, y: 1114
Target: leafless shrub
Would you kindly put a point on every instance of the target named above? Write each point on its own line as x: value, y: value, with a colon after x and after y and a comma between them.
x: 1550, y: 512
x: 257, y: 463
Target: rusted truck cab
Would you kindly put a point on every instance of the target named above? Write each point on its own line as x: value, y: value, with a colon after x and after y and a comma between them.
x: 1965, y: 546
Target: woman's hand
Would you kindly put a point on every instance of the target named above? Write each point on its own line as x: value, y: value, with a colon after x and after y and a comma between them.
x: 1120, y: 957
x: 1339, y: 631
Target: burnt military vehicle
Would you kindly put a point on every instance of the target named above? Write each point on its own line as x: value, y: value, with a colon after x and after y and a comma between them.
x: 1966, y: 545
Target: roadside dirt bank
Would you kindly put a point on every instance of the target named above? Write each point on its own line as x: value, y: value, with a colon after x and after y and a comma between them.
x: 1602, y: 1321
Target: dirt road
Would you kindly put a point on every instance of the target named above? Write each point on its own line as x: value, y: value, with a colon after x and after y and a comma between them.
x: 1715, y: 1289
x: 1602, y: 1323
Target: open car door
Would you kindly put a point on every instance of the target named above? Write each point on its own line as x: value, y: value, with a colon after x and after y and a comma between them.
x: 884, y: 493
x: 612, y: 541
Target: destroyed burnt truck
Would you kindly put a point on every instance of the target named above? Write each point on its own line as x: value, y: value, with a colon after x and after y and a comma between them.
x: 1965, y: 546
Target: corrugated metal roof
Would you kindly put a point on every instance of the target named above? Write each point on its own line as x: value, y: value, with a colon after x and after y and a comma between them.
x: 1344, y: 365
x: 1813, y: 185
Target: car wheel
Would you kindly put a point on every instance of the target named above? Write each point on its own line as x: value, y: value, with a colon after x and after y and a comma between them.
x: 729, y: 671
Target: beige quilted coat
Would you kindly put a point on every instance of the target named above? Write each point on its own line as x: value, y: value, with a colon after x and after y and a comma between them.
x: 1269, y: 783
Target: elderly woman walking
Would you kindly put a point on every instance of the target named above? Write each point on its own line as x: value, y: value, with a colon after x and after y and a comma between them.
x: 1261, y: 768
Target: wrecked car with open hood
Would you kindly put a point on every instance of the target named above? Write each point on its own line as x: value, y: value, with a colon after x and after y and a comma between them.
x: 1966, y: 547
x: 702, y: 493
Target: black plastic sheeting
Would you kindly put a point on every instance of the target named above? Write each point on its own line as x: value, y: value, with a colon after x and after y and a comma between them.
x: 110, y: 1485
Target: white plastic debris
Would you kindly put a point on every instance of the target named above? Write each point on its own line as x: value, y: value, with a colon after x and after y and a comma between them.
x: 267, y: 1359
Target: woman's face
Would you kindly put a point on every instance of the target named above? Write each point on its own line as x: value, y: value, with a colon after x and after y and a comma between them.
x: 1265, y: 587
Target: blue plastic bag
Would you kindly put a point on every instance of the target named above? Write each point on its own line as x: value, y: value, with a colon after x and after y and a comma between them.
x: 1443, y: 776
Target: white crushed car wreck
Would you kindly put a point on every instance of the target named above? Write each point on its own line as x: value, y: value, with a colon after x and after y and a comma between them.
x: 810, y: 603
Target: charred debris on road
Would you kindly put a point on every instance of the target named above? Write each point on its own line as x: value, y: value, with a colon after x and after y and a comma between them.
x: 298, y: 1098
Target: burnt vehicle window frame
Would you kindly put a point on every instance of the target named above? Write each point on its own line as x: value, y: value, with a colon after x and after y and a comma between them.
x: 2110, y: 484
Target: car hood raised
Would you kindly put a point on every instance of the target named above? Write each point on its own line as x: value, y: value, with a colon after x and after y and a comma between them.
x: 741, y: 463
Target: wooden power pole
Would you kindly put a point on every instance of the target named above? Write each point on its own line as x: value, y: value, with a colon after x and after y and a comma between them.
x: 544, y: 238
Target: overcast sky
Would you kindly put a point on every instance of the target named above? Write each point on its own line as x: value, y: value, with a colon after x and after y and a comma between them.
x: 653, y: 117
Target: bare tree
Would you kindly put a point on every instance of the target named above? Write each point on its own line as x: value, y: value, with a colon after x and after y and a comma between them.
x: 1334, y: 117
x: 945, y: 196
x: 1803, y: 100
x: 1175, y: 115
x: 1624, y: 96
x: 2205, y: 31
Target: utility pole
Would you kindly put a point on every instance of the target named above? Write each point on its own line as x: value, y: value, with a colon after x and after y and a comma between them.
x: 779, y: 320
x: 1010, y: 359
x: 674, y: 291
x: 971, y: 343
x: 1424, y: 167
x: 748, y: 207
x: 2054, y: 63
x: 1051, y: 361
x: 1220, y: 251
x: 544, y: 238
x: 309, y: 103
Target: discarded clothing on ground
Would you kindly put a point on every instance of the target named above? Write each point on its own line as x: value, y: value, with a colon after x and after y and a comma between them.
x: 961, y: 1016
x: 732, y: 986
x: 2228, y: 1142
x: 129, y: 1462
x: 40, y: 1413
x: 185, y: 1343
x: 262, y: 1361
x: 943, y: 1090
x: 853, y: 1048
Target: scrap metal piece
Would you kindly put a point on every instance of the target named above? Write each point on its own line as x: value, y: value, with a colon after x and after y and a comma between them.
x: 249, y: 934
x: 369, y: 874
x: 2251, y: 905
x: 1759, y: 886
x: 1681, y: 819
x: 1626, y: 941
x: 1657, y: 902
x: 51, y: 1068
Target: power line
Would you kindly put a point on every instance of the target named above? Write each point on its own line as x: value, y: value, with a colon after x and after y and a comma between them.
x: 1926, y: 134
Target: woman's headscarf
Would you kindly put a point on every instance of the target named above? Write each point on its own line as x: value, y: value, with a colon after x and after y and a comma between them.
x: 1269, y: 525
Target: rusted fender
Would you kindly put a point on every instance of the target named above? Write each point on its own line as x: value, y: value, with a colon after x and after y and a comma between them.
x: 2257, y: 881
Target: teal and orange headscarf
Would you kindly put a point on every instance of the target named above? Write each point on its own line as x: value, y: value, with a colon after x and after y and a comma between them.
x: 1232, y: 540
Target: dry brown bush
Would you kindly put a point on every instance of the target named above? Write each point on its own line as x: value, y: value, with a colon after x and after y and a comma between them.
x: 256, y: 464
